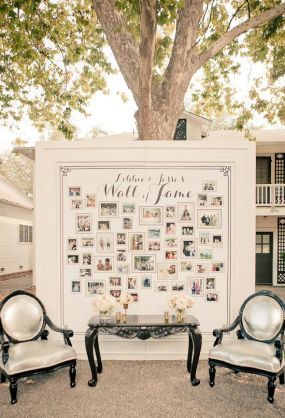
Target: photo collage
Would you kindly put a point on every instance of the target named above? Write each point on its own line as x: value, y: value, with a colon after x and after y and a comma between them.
x: 122, y: 246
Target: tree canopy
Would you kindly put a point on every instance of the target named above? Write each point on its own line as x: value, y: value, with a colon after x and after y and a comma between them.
x: 52, y: 57
x: 161, y: 44
x: 51, y: 60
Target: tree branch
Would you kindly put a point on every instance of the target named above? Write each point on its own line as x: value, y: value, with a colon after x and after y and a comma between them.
x: 121, y: 41
x: 229, y: 36
x: 185, y: 38
x: 148, y: 26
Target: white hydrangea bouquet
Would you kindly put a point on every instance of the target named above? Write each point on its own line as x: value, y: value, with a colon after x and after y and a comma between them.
x: 180, y: 302
x: 105, y: 305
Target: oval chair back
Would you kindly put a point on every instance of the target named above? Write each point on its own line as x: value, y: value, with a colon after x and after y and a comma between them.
x: 22, y: 317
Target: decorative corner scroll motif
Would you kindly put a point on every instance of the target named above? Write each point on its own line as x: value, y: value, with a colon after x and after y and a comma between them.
x: 226, y: 170
x: 65, y: 170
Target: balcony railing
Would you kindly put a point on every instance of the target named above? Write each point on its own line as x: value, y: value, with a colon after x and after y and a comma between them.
x: 270, y: 194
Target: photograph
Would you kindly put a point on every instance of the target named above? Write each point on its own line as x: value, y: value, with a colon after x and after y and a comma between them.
x: 83, y: 223
x: 95, y: 287
x: 189, y: 248
x: 209, y: 218
x: 166, y: 271
x: 187, y: 230
x: 116, y: 293
x: 121, y: 238
x: 72, y: 244
x: 212, y: 297
x: 90, y: 200
x: 187, y: 266
x: 202, y: 268
x: 74, y: 191
x: 206, y: 253
x: 85, y: 273
x: 103, y: 225
x: 217, y: 240
x: 216, y: 201
x: 104, y: 242
x: 147, y: 282
x: 75, y: 286
x: 77, y: 204
x: 170, y: 212
x: 178, y: 286
x: 115, y: 281
x: 87, y: 242
x: 108, y: 209
x: 170, y: 228
x: 171, y: 242
x: 104, y: 264
x: 154, y: 233
x: 161, y: 286
x: 143, y: 263
x: 150, y: 215
x: 129, y: 207
x: 185, y: 212
x: 204, y: 238
x: 210, y: 283
x: 135, y: 296
x: 209, y: 186
x: 121, y: 255
x: 122, y: 268
x: 171, y: 255
x: 195, y: 286
x: 136, y: 241
x: 202, y: 199
x: 127, y: 223
x: 86, y: 258
x: 132, y: 283
x: 218, y: 267
x: 154, y: 245
x: 72, y: 258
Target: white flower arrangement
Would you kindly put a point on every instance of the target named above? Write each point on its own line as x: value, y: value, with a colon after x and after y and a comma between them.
x: 104, y: 303
x: 125, y: 298
x: 180, y: 301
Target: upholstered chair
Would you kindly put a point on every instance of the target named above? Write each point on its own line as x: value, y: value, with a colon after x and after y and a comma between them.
x: 259, y: 346
x: 24, y: 342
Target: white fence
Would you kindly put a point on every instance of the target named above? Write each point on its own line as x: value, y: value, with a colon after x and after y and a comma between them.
x: 270, y: 194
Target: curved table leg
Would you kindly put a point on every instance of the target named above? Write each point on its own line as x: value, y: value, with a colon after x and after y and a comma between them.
x: 91, y: 334
x: 98, y: 355
x: 195, y: 341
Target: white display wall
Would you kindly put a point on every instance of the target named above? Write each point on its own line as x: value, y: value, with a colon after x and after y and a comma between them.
x: 149, y: 219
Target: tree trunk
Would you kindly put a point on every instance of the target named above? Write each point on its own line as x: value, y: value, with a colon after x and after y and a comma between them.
x: 158, y: 125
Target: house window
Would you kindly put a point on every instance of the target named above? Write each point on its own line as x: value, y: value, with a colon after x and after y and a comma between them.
x: 25, y: 233
x: 263, y: 170
x: 181, y: 133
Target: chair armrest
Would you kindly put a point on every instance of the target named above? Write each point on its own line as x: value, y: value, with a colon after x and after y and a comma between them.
x: 5, y: 351
x: 67, y: 333
x: 218, y: 333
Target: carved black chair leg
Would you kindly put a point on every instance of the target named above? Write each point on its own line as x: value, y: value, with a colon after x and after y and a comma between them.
x: 212, y: 374
x: 13, y: 390
x: 72, y: 374
x: 271, y: 389
x: 281, y: 379
x: 2, y: 378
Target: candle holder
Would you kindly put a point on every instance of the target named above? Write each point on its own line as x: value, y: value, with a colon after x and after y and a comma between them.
x: 125, y: 306
x: 118, y: 316
x: 166, y: 316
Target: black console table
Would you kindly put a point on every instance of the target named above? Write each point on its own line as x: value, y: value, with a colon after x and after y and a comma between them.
x: 143, y: 327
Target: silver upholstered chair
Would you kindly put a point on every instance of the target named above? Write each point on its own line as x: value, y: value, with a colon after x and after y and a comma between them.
x: 24, y: 342
x: 259, y: 348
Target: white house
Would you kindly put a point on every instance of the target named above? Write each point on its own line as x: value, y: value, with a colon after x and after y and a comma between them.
x: 16, y: 224
x: 270, y: 202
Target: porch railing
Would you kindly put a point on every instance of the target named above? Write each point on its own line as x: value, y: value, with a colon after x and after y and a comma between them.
x: 270, y: 195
